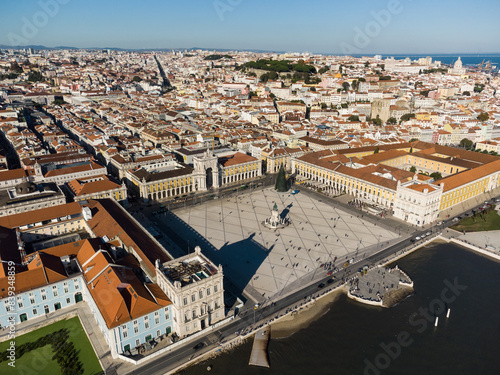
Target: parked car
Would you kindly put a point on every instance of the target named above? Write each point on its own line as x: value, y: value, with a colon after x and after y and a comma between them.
x: 199, y: 346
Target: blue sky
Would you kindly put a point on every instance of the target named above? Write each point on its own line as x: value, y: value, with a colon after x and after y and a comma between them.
x: 359, y: 26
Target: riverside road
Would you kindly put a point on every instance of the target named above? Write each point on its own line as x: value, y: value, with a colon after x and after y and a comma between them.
x: 249, y: 319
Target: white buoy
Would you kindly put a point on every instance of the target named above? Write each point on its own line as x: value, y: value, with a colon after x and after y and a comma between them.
x: 448, y: 314
x: 436, y: 322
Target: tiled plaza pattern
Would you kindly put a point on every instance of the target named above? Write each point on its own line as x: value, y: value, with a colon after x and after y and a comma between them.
x: 263, y: 261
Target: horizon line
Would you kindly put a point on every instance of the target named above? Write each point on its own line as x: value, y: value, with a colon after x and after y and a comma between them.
x: 3, y: 46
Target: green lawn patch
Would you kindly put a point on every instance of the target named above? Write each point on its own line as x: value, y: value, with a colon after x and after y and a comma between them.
x: 481, y: 221
x: 38, y: 351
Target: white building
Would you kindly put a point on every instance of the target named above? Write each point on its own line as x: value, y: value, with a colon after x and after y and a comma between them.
x: 195, y: 286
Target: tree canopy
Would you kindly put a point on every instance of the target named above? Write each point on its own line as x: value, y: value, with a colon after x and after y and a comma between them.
x: 281, y: 184
x: 280, y: 66
x: 436, y: 175
x: 217, y: 57
x: 483, y: 116
x: 466, y: 143
x: 407, y: 116
x: 35, y: 77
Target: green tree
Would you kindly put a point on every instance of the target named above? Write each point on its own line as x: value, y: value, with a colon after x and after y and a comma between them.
x: 425, y: 93
x: 478, y: 87
x: 392, y: 120
x: 15, y: 67
x: 376, y: 150
x: 411, y: 150
x: 324, y: 106
x: 281, y: 183
x: 377, y: 121
x: 436, y: 176
x: 323, y: 70
x: 466, y: 93
x: 35, y: 77
x: 407, y: 116
x: 136, y: 79
x: 413, y: 169
x: 483, y: 116
x: 353, y: 118
x: 466, y: 143
x: 413, y: 140
x: 345, y: 86
x: 58, y: 102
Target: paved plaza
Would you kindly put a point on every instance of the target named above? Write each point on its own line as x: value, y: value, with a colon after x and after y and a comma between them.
x: 261, y: 261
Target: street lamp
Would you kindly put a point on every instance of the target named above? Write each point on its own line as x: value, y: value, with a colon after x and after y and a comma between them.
x: 255, y: 308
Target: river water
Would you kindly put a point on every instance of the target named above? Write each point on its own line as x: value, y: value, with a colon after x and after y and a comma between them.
x: 350, y: 338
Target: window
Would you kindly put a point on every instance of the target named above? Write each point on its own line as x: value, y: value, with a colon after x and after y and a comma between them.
x: 216, y: 288
x: 35, y: 312
x: 157, y: 320
x: 54, y: 290
x: 146, y: 325
x: 158, y: 333
x: 208, y: 291
x: 44, y: 297
x: 136, y: 329
x: 125, y: 334
x: 185, y: 301
x: 76, y: 284
x: 68, y: 301
x: 137, y: 342
x: 32, y: 298
x: 201, y: 294
x: 193, y: 298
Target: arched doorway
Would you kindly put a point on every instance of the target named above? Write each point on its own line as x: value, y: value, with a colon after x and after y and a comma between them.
x: 209, y: 178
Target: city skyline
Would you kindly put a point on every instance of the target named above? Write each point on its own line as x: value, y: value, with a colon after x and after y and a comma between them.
x: 392, y: 27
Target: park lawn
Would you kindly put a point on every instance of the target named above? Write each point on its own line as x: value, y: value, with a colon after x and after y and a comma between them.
x: 468, y: 224
x: 78, y: 337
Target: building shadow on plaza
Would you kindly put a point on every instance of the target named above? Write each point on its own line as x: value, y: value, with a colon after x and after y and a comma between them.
x: 240, y: 260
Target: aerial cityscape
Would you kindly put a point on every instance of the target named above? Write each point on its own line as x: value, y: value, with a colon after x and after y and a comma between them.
x: 243, y: 187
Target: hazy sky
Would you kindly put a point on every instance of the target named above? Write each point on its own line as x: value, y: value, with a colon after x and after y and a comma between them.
x: 357, y: 26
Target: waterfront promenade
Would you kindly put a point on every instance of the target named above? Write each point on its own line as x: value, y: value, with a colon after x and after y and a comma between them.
x: 379, y: 286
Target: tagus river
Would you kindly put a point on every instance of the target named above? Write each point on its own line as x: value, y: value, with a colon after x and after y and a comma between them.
x: 356, y: 339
